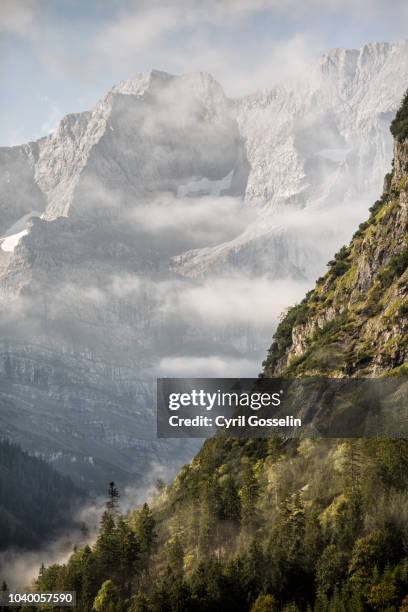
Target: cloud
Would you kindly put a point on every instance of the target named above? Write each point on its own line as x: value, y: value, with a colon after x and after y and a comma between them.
x: 183, y: 35
x: 217, y: 366
x: 294, y: 9
x: 54, y: 115
x: 193, y: 220
x: 222, y: 302
x: 17, y: 16
x: 246, y: 44
x: 133, y: 32
x: 180, y: 38
x: 125, y: 286
x: 263, y: 66
x: 20, y: 567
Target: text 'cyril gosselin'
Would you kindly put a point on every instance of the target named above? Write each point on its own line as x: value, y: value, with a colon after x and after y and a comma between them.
x: 219, y: 400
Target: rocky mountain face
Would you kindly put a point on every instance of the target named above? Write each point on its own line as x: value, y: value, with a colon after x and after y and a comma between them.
x: 320, y: 126
x: 354, y: 322
x: 289, y: 525
x: 136, y: 237
x: 161, y: 131
x: 86, y: 294
x: 313, y: 144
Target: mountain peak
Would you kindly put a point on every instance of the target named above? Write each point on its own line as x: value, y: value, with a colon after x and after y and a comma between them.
x: 142, y: 82
x: 347, y: 63
x: 155, y: 80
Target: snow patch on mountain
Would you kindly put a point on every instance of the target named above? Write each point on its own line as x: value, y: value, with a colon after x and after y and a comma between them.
x: 15, y: 233
x: 10, y: 243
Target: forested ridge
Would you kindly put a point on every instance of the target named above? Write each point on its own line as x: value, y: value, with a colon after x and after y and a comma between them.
x: 36, y: 502
x: 272, y: 525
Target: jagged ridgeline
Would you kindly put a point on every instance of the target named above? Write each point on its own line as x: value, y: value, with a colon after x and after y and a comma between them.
x: 264, y: 525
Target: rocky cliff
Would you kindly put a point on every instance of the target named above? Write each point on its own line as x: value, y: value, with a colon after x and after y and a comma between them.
x: 316, y: 143
x: 354, y: 322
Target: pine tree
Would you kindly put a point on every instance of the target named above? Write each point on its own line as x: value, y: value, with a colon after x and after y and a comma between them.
x: 106, y: 549
x: 140, y: 603
x: 107, y: 599
x: 352, y: 469
x: 145, y: 529
x: 128, y: 555
x: 330, y: 570
x: 265, y: 603
x: 180, y: 595
x: 90, y: 580
x: 175, y: 557
x: 249, y: 494
x: 207, y: 521
x: 112, y: 505
x: 350, y: 514
x: 230, y: 505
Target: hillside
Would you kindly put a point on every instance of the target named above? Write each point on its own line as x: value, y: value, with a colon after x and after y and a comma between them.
x: 36, y: 502
x: 266, y: 525
x: 354, y: 322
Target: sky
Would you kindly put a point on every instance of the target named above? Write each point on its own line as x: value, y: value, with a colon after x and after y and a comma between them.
x: 61, y: 56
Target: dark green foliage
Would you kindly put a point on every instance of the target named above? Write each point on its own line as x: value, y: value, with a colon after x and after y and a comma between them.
x: 249, y: 494
x: 106, y: 575
x: 403, y: 309
x: 340, y: 264
x: 144, y: 525
x: 339, y: 268
x: 361, y: 229
x: 112, y: 505
x: 107, y: 599
x: 331, y: 571
x: 265, y: 603
x: 373, y: 304
x: 394, y: 269
x: 282, y: 339
x: 330, y: 536
x: 399, y: 126
x: 36, y: 501
x: 377, y: 206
